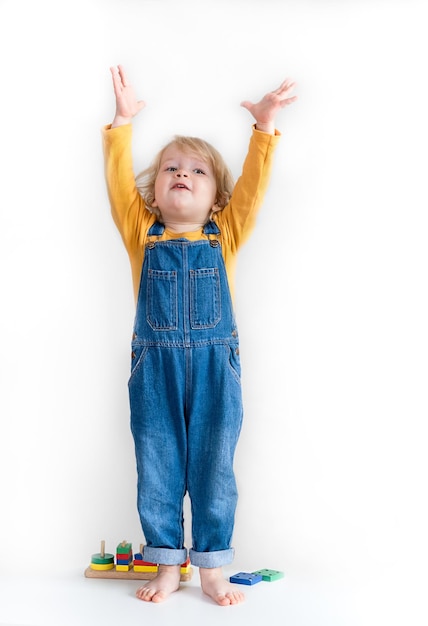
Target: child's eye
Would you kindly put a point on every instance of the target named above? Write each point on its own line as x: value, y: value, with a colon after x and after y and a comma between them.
x: 198, y: 171
x: 171, y: 168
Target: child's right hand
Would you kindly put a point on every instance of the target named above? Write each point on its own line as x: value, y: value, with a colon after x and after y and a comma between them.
x: 127, y: 104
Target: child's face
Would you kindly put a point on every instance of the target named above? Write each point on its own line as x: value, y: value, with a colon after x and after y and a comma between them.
x: 185, y: 188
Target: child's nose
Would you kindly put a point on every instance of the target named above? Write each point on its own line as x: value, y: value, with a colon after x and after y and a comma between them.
x: 181, y: 173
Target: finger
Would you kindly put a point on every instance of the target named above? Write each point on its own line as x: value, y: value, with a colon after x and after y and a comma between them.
x: 286, y: 93
x: 123, y: 76
x: 117, y: 83
x: 246, y: 104
x: 287, y: 101
x: 286, y: 85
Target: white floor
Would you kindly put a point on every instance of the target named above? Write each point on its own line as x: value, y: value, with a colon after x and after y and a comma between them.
x: 391, y: 597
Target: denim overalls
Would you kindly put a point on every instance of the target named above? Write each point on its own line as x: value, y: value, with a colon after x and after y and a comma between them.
x: 185, y: 398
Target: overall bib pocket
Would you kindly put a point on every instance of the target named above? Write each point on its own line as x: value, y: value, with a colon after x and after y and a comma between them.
x: 162, y: 307
x: 205, y: 298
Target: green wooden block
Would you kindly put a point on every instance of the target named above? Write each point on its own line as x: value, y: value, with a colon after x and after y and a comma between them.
x: 124, y: 548
x: 269, y: 575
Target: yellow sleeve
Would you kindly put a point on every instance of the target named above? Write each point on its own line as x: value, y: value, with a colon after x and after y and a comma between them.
x: 238, y: 218
x: 127, y: 206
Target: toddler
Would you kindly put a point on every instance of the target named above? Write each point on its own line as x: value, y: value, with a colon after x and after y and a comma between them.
x: 182, y: 222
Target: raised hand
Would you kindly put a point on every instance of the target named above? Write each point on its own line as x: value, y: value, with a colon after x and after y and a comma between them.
x: 264, y: 112
x: 127, y: 104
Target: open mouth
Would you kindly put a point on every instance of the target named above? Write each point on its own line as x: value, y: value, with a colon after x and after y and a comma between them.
x: 181, y: 186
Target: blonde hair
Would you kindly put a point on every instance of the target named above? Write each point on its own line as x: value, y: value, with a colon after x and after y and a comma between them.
x: 145, y: 181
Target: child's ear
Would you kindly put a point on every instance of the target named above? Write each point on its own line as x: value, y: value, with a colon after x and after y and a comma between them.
x: 154, y: 204
x: 214, y: 209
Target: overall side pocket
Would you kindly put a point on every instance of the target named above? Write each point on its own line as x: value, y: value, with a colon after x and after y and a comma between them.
x: 138, y: 354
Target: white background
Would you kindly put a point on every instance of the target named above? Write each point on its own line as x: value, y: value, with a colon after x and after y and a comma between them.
x: 331, y: 288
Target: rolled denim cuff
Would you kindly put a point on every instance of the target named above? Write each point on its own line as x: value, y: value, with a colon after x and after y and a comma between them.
x: 164, y: 556
x: 212, y: 559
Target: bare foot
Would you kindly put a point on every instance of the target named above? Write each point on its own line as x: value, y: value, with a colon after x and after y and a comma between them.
x: 166, y: 582
x: 220, y: 590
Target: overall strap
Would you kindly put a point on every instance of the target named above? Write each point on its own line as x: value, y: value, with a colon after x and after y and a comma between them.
x: 211, y: 228
x: 156, y: 229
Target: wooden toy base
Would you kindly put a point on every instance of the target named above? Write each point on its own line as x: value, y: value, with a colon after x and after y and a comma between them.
x: 131, y: 575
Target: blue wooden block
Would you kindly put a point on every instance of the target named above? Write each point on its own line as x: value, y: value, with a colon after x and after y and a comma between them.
x: 244, y: 578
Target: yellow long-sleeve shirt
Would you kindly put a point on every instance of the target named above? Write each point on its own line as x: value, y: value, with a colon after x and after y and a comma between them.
x: 236, y: 221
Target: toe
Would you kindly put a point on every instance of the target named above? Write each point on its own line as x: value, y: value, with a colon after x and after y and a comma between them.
x: 144, y: 594
x: 223, y: 600
x: 158, y: 597
x: 235, y: 597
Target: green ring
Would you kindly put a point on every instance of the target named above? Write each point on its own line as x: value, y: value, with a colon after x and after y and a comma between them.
x: 97, y: 559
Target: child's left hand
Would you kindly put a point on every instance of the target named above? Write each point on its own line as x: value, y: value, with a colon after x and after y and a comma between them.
x: 264, y: 112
